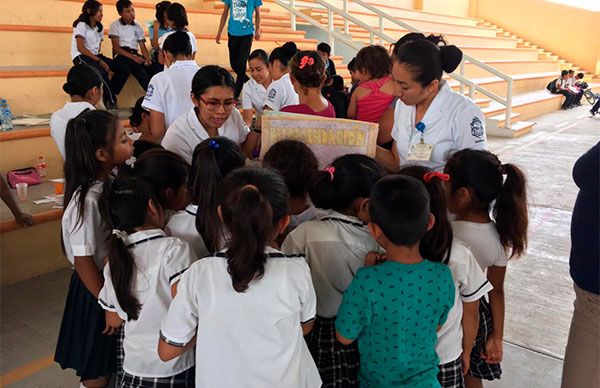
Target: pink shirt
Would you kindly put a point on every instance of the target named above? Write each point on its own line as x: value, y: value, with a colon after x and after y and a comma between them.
x: 373, y: 105
x: 307, y: 110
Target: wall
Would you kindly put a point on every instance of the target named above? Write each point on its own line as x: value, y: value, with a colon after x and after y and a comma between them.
x: 571, y: 33
x: 446, y: 7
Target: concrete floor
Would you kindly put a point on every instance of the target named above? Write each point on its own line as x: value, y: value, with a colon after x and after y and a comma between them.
x: 538, y: 286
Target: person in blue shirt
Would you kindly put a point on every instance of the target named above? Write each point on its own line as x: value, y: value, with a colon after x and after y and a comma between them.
x: 240, y: 31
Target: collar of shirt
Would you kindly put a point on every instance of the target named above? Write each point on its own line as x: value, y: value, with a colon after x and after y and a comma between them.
x: 178, y: 64
x: 436, y: 109
x: 191, y: 209
x: 332, y: 215
x: 125, y: 24
x: 143, y: 235
x: 256, y: 85
x: 196, y: 126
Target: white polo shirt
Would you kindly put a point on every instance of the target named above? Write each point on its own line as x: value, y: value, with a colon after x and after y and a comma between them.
x: 453, y: 122
x: 162, y: 39
x: 93, y: 39
x: 281, y: 93
x: 182, y: 224
x: 471, y: 285
x: 130, y: 35
x: 85, y: 236
x: 187, y: 132
x: 159, y: 262
x: 169, y: 91
x: 251, y: 338
x: 484, y: 241
x: 335, y: 247
x: 60, y: 119
x: 253, y: 96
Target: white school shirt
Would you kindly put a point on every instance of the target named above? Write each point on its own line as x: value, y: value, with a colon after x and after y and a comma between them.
x: 281, y: 93
x: 85, y: 236
x: 251, y: 338
x: 182, y: 224
x: 484, y: 241
x: 130, y: 35
x: 93, y: 39
x: 60, y: 119
x: 253, y: 96
x: 187, y: 132
x: 159, y: 262
x: 162, y: 39
x: 471, y: 285
x: 312, y: 213
x: 453, y: 122
x: 335, y: 247
x: 169, y: 91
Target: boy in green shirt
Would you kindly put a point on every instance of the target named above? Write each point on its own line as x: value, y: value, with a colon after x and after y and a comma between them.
x: 394, y: 309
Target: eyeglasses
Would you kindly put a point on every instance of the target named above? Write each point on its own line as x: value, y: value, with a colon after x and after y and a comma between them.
x: 213, y: 105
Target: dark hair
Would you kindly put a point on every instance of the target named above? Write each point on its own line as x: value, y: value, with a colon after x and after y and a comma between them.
x: 353, y: 178
x: 178, y: 43
x: 352, y: 65
x: 212, y: 160
x: 564, y: 72
x: 295, y: 162
x: 89, y: 131
x: 122, y: 4
x: 163, y: 170
x: 428, y: 58
x: 254, y: 200
x: 259, y: 54
x: 283, y: 54
x: 410, y: 37
x: 337, y: 83
x: 80, y: 79
x: 124, y: 206
x: 483, y: 173
x: 399, y: 205
x: 290, y: 48
x: 375, y: 60
x: 580, y: 75
x: 89, y: 9
x: 161, y: 8
x: 176, y: 13
x: 209, y: 76
x: 135, y: 118
x: 437, y: 242
x: 324, y: 48
x: 139, y: 147
x: 571, y: 71
x: 309, y: 76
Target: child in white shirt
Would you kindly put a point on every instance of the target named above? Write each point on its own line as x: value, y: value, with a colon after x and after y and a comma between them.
x: 254, y: 91
x: 281, y: 91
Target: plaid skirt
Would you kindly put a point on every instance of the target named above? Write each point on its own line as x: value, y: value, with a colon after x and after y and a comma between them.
x: 479, y: 368
x: 338, y: 364
x: 184, y: 379
x: 120, y: 354
x: 450, y: 374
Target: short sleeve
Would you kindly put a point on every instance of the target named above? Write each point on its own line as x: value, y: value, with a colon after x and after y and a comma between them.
x: 193, y: 42
x: 308, y: 300
x: 355, y: 311
x: 112, y: 31
x: 468, y: 128
x: 176, y: 142
x: 247, y: 96
x: 180, y: 324
x: 274, y: 96
x: 447, y: 294
x: 139, y: 33
x: 501, y: 260
x: 473, y: 284
x: 82, y: 233
x: 107, y: 298
x: 257, y: 3
x: 153, y: 99
x: 178, y: 259
x: 291, y: 244
x: 227, y: 2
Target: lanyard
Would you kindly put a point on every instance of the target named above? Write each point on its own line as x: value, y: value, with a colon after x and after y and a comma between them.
x: 420, y: 127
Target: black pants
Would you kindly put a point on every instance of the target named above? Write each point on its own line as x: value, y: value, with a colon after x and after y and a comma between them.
x: 596, y: 106
x: 239, y: 50
x: 577, y: 97
x: 568, y: 98
x: 139, y: 71
x: 111, y: 87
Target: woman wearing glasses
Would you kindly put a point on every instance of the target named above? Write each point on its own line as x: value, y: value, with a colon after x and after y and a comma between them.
x: 214, y: 114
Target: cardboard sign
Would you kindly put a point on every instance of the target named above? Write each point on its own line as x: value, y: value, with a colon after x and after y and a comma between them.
x: 327, y: 138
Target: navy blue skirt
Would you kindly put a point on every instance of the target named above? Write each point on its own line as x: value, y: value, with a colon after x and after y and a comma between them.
x: 81, y: 345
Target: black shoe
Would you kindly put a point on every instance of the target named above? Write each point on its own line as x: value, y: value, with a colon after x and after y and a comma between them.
x: 592, y: 112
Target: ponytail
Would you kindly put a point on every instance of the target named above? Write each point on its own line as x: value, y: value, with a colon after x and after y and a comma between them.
x: 122, y: 274
x: 510, y: 211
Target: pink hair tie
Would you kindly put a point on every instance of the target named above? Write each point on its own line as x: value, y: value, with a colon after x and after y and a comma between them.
x: 428, y: 176
x: 306, y: 60
x: 330, y: 170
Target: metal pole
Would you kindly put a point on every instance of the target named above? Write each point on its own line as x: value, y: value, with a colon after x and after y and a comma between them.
x: 346, y: 28
x: 330, y: 28
x: 508, y: 121
x: 292, y: 15
x: 381, y: 29
x: 461, y: 87
x: 472, y: 92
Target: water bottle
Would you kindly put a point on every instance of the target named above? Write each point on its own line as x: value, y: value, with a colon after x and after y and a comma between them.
x: 41, y: 166
x: 8, y: 118
x: 3, y: 118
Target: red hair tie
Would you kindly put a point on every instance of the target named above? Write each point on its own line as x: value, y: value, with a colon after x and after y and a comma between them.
x: 306, y: 60
x: 330, y: 170
x: 428, y: 176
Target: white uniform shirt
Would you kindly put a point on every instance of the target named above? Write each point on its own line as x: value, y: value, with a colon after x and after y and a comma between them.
x: 281, y: 93
x: 310, y: 214
x: 470, y: 284
x: 60, y: 119
x: 182, y: 224
x: 453, y: 122
x: 162, y: 39
x: 484, y: 241
x: 92, y: 37
x: 251, y: 338
x: 85, y: 236
x: 169, y: 91
x: 130, y: 35
x: 159, y: 262
x: 187, y: 132
x: 335, y: 248
x: 253, y: 96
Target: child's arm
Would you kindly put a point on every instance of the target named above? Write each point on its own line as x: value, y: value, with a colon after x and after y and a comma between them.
x: 249, y: 145
x: 20, y: 217
x: 145, y: 53
x: 247, y: 115
x: 353, y: 106
x: 157, y: 124
x: 493, y: 353
x: 470, y: 326
x: 90, y: 275
x: 167, y: 352
x: 154, y: 40
x: 390, y: 160
x: 222, y: 23
x: 113, y: 323
x: 307, y: 326
x: 257, y: 23
x: 118, y: 50
x: 343, y: 340
x: 82, y: 49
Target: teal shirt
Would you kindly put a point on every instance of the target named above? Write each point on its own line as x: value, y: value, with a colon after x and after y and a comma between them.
x: 394, y: 309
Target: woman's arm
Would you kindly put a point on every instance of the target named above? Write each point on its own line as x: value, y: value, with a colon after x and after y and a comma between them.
x: 90, y: 275
x: 20, y: 217
x: 157, y: 124
x: 494, y: 344
x: 470, y: 326
x: 249, y: 145
x: 390, y: 160
x: 167, y: 352
x: 222, y: 23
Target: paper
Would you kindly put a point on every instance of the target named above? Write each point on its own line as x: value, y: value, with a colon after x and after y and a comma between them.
x: 30, y: 121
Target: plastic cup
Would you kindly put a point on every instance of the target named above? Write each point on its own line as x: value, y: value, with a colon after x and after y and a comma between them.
x: 21, y: 191
x: 59, y: 187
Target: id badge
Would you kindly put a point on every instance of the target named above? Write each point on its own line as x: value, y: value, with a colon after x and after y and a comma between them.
x: 420, y: 151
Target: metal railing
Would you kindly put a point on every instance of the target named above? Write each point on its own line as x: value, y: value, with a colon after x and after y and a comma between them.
x: 291, y: 6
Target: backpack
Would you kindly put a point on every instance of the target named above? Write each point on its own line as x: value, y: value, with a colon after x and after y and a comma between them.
x: 552, y: 86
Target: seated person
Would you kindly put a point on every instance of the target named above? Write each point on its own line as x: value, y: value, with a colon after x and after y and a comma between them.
x: 560, y: 86
x: 254, y: 91
x: 156, y: 30
x: 281, y: 92
x: 336, y: 95
x: 178, y: 21
x: 324, y: 51
x: 140, y: 121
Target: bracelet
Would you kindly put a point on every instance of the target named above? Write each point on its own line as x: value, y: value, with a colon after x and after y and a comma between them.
x: 259, y: 131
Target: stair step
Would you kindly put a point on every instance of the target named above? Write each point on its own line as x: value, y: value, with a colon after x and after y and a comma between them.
x: 517, y: 129
x: 500, y: 120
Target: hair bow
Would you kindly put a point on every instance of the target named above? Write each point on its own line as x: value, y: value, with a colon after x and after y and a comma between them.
x: 428, y: 176
x: 213, y: 144
x: 121, y: 234
x: 306, y: 60
x: 330, y: 170
x: 131, y: 161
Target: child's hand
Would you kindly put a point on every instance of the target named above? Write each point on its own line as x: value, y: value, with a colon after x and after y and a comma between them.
x: 257, y: 35
x: 493, y: 351
x: 104, y: 66
x: 466, y: 362
x: 24, y: 219
x: 374, y: 258
x: 113, y: 323
x: 218, y: 39
x: 156, y: 26
x: 139, y: 60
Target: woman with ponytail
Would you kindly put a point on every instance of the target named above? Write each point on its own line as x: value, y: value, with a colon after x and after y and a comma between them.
x: 430, y: 119
x: 198, y: 223
x: 248, y: 304
x: 144, y: 266
x: 477, y: 180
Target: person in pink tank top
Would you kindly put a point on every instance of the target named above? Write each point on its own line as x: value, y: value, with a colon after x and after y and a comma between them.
x: 373, y: 100
x: 308, y: 76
